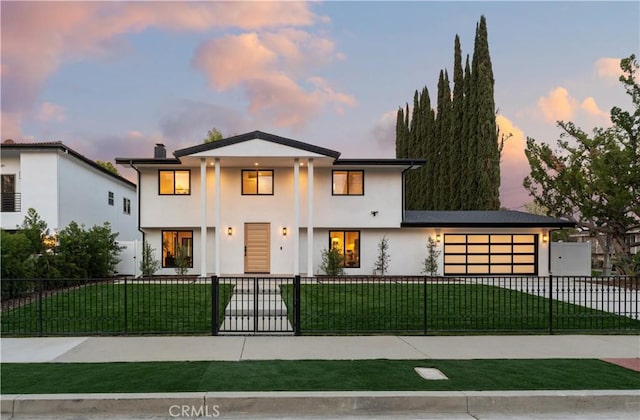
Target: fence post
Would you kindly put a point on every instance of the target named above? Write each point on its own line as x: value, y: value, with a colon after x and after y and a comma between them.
x: 550, y: 303
x: 40, y: 326
x: 214, y: 305
x: 296, y: 305
x: 126, y: 308
x: 424, y: 297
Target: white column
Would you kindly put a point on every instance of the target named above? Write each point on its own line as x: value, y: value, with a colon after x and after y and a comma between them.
x: 296, y: 216
x: 310, y: 218
x: 203, y: 217
x: 218, y: 235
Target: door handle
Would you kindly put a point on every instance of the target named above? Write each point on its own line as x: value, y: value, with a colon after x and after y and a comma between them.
x: 245, y: 250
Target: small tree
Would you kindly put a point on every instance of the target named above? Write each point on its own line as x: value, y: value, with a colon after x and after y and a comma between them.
x: 182, y: 261
x: 332, y: 262
x: 430, y: 265
x: 382, y: 263
x: 149, y: 265
x: 213, y: 135
x: 108, y: 166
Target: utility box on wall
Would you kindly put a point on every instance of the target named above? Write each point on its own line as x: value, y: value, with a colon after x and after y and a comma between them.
x: 571, y: 258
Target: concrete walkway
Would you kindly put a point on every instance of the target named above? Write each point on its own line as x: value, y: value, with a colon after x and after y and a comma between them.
x: 236, y: 348
x: 604, y: 404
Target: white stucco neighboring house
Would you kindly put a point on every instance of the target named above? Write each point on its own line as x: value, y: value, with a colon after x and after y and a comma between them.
x: 64, y: 186
x: 258, y: 203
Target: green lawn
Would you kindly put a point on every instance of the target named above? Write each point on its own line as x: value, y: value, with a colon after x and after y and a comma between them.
x: 100, y: 309
x: 384, y: 307
x: 313, y: 375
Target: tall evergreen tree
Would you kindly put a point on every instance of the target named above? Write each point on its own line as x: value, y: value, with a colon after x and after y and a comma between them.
x: 458, y: 152
x: 467, y: 190
x: 486, y: 135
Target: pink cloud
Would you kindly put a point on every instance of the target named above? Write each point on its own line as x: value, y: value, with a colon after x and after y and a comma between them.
x: 514, y: 166
x: 608, y: 68
x: 269, y: 66
x: 557, y: 105
x: 50, y: 112
x: 58, y: 31
x: 590, y: 106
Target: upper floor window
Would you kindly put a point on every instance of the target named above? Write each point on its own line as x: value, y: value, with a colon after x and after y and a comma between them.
x: 110, y: 198
x: 126, y: 206
x: 175, y: 182
x: 257, y: 182
x: 348, y: 182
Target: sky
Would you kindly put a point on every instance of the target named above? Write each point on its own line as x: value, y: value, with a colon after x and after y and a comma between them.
x: 111, y: 79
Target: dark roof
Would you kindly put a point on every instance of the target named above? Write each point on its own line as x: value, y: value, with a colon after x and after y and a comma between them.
x: 479, y: 218
x: 380, y: 162
x: 142, y: 161
x: 256, y: 135
x: 58, y: 145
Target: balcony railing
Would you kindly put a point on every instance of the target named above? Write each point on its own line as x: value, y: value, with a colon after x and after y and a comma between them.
x: 10, y: 202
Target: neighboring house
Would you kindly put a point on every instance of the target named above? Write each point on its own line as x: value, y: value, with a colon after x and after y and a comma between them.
x: 269, y: 204
x: 64, y: 186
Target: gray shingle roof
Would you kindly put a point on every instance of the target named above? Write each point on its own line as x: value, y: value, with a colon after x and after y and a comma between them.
x: 480, y: 218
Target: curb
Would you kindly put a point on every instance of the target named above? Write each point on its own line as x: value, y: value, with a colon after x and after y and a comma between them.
x: 261, y: 404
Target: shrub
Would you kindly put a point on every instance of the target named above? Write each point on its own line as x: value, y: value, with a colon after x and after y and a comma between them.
x: 149, y: 265
x: 430, y: 264
x: 332, y: 262
x: 382, y: 263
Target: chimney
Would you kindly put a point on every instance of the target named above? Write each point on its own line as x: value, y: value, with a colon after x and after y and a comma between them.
x: 159, y: 152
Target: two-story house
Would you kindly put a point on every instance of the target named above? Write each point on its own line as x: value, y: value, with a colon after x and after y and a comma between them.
x: 64, y: 186
x: 260, y: 203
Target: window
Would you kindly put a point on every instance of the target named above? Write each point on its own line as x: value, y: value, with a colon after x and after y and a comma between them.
x: 126, y: 206
x: 175, y: 182
x: 479, y: 254
x: 177, y: 244
x: 348, y: 182
x: 348, y: 243
x: 10, y: 200
x: 110, y: 198
x: 257, y: 182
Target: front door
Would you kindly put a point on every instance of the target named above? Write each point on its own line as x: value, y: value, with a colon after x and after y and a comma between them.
x: 257, y: 251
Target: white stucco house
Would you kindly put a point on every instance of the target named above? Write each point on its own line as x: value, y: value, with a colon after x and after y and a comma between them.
x: 258, y: 203
x: 64, y: 186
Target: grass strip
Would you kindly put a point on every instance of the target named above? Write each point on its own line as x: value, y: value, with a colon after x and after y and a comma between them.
x: 314, y: 375
x: 106, y: 309
x: 383, y: 307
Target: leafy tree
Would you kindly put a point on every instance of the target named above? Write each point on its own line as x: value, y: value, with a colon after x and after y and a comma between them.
x: 332, y: 263
x: 17, y: 256
x: 36, y: 230
x: 382, y: 262
x: 430, y: 264
x: 108, y: 166
x: 182, y: 261
x: 594, y: 180
x: 88, y: 254
x: 149, y: 264
x: 213, y: 135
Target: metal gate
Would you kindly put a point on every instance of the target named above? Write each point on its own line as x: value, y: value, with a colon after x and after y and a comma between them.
x: 256, y: 305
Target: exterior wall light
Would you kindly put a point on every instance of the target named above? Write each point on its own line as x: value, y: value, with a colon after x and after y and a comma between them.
x: 229, y: 231
x: 284, y: 231
x: 545, y: 238
x: 438, y: 238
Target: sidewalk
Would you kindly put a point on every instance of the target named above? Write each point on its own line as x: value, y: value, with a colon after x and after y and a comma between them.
x: 295, y: 405
x: 236, y: 348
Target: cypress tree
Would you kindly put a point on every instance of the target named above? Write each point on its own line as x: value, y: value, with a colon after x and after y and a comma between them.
x: 401, y: 141
x: 457, y: 157
x: 488, y: 156
x: 469, y: 151
x: 424, y: 152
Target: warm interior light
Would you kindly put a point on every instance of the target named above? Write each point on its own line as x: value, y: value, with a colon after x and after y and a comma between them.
x: 255, y: 164
x: 229, y: 231
x: 284, y: 231
x: 438, y: 237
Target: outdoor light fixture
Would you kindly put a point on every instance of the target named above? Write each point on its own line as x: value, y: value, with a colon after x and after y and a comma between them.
x: 284, y: 231
x: 438, y: 237
x: 545, y: 238
x: 229, y: 231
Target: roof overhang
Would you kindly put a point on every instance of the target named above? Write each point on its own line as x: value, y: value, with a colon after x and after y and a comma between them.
x: 482, y: 219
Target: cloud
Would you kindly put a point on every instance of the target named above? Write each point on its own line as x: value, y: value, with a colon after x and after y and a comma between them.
x: 270, y: 67
x: 51, y: 33
x: 557, y: 105
x: 591, y: 108
x: 608, y: 69
x: 384, y: 132
x: 50, y: 112
x: 514, y: 166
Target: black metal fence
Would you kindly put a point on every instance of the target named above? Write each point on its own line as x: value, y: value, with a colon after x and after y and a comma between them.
x: 321, y: 305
